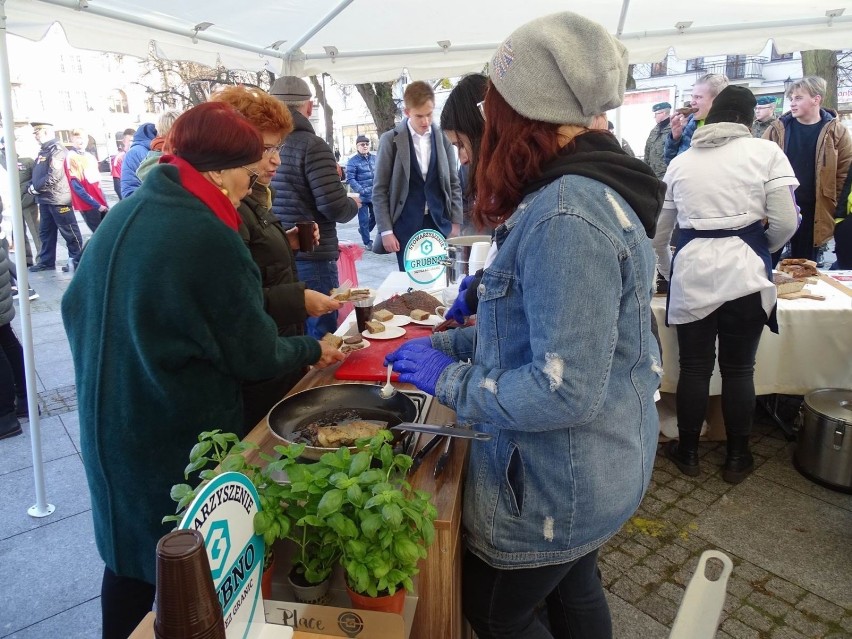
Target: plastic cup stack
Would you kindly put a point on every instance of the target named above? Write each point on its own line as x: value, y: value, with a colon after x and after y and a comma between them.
x: 186, y: 602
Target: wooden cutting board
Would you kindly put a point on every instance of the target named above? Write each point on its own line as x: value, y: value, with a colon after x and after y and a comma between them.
x: 368, y: 364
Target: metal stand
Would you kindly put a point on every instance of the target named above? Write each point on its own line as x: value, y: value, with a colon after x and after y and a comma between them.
x: 769, y: 403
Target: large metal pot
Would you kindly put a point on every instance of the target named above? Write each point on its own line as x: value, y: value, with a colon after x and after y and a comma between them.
x: 824, y: 440
x: 458, y: 250
x: 299, y: 409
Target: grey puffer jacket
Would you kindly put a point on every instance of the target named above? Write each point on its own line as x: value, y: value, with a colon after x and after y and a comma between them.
x: 307, y: 187
x: 7, y: 306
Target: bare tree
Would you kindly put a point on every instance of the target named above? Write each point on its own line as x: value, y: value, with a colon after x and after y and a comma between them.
x: 823, y: 62
x: 327, y: 111
x: 378, y: 96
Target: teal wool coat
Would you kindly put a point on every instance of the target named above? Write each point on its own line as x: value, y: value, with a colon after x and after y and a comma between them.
x: 165, y: 319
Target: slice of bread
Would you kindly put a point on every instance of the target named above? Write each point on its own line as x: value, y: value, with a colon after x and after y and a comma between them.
x: 375, y: 327
x: 419, y: 315
x: 383, y: 315
x: 332, y: 340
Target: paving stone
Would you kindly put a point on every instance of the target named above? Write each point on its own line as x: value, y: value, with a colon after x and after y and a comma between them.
x: 787, y: 591
x: 692, y: 542
x: 806, y: 624
x: 716, y: 486
x: 674, y: 553
x: 627, y: 589
x: 738, y: 630
x: 770, y: 605
x: 681, y: 485
x: 738, y: 587
x: 754, y: 618
x: 662, y: 476
x: 642, y: 575
x: 704, y: 496
x: 666, y: 495
x: 784, y: 632
x: 748, y: 571
x: 680, y: 518
x: 658, y: 608
x: 846, y: 623
x: 672, y: 592
x: 634, y: 549
x: 692, y: 506
x: 653, y: 505
x: 620, y: 560
x: 653, y: 543
x: 661, y: 566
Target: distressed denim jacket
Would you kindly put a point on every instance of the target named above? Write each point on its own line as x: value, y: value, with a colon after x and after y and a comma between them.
x: 563, y: 373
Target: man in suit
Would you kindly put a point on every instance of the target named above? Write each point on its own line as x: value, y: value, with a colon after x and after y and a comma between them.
x: 416, y: 185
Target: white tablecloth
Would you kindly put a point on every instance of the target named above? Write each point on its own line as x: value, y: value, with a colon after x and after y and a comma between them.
x: 813, y: 348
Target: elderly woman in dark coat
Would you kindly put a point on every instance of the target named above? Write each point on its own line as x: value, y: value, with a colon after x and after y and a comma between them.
x: 159, y: 360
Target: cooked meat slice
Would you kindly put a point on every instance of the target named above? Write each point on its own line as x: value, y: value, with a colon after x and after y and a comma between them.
x: 345, y: 434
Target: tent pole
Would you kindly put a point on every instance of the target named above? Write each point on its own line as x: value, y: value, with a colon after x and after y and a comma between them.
x: 41, y: 507
x: 318, y: 26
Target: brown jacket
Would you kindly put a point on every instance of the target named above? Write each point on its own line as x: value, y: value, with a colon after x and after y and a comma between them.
x: 833, y: 155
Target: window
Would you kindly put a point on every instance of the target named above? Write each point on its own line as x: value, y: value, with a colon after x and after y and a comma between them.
x: 780, y: 56
x: 65, y: 100
x: 735, y: 66
x: 659, y: 68
x: 70, y: 63
x: 695, y: 64
x: 118, y: 102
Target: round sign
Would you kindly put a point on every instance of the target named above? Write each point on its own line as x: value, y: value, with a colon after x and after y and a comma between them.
x: 426, y: 256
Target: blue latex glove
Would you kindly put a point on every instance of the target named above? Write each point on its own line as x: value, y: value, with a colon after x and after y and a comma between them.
x: 460, y: 310
x: 419, y: 364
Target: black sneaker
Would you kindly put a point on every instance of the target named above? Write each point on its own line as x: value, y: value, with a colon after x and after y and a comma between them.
x: 9, y: 426
x: 32, y: 294
x: 36, y: 268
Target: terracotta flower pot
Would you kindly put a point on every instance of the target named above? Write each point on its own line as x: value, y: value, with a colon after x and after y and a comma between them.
x: 388, y: 603
x: 266, y: 579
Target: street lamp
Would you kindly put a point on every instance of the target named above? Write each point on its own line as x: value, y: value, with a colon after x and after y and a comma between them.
x: 787, y: 84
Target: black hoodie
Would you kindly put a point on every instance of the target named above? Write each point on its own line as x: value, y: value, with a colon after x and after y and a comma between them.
x: 598, y: 156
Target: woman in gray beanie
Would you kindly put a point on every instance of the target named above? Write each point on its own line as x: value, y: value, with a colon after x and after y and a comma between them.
x: 561, y: 367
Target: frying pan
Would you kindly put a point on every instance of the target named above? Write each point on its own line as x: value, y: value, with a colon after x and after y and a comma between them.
x: 307, y: 406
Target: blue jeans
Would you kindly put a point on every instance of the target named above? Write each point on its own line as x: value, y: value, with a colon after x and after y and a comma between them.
x: 502, y: 603
x: 366, y: 222
x: 321, y: 276
x: 58, y: 217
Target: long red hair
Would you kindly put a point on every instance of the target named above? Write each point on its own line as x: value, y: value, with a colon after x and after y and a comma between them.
x: 514, y: 150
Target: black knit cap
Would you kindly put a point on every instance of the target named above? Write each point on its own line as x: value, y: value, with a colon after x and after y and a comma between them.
x: 733, y: 104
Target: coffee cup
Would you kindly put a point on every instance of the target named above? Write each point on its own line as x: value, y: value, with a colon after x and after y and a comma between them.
x: 441, y: 311
x: 306, y: 236
x: 479, y: 251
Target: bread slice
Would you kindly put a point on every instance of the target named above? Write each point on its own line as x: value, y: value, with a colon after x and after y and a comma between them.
x: 786, y: 284
x: 383, y: 315
x: 375, y: 327
x: 332, y: 340
x: 419, y: 315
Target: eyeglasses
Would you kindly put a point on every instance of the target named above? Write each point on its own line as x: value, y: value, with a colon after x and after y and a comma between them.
x: 253, y: 176
x: 271, y: 150
x: 363, y: 144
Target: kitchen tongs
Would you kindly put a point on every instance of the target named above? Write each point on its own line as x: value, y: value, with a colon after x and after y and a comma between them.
x: 445, y: 431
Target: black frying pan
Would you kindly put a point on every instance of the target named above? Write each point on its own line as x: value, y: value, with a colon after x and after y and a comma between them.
x: 293, y: 412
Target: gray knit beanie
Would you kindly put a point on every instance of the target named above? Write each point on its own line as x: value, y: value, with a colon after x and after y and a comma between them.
x: 562, y: 68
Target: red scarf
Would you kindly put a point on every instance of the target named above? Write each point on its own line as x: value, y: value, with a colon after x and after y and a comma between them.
x: 205, y: 191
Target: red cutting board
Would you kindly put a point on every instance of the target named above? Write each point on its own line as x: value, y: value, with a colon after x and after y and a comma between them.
x: 368, y: 364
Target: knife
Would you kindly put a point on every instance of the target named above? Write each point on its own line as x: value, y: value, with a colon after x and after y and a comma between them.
x: 421, y: 454
x: 446, y: 431
x: 442, y: 460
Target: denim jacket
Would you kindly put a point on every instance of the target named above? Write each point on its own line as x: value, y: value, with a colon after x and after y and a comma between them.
x: 563, y: 374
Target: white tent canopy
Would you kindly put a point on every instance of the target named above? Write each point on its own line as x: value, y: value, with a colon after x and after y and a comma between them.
x: 374, y: 40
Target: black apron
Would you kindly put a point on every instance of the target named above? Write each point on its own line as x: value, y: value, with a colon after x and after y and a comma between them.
x: 754, y: 235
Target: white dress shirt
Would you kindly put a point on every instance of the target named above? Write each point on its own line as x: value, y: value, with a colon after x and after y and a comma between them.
x: 422, y: 147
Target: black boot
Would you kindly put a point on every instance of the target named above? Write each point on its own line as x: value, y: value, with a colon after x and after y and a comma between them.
x: 9, y: 426
x: 22, y: 407
x: 739, y: 463
x: 684, y: 453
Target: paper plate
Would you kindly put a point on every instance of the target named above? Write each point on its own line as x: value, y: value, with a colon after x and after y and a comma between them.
x: 390, y: 332
x: 432, y: 320
x: 398, y: 320
x: 351, y: 348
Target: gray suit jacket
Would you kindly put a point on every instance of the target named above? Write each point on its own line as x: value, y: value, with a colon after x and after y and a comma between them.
x: 393, y: 171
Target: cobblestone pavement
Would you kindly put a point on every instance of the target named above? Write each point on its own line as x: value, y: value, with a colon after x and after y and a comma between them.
x: 650, y: 562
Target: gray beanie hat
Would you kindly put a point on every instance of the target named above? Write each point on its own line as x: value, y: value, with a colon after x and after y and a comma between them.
x: 562, y: 68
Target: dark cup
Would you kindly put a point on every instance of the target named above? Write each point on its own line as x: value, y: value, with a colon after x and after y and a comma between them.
x: 363, y: 312
x: 186, y: 601
x: 306, y: 236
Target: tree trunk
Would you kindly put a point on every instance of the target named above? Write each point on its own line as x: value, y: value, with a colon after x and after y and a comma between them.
x: 378, y: 96
x: 630, y: 85
x: 327, y: 111
x: 823, y: 63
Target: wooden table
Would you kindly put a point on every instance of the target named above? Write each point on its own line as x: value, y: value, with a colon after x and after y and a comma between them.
x: 438, y: 585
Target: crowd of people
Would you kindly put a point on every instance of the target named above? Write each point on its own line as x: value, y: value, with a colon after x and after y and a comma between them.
x: 563, y: 357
